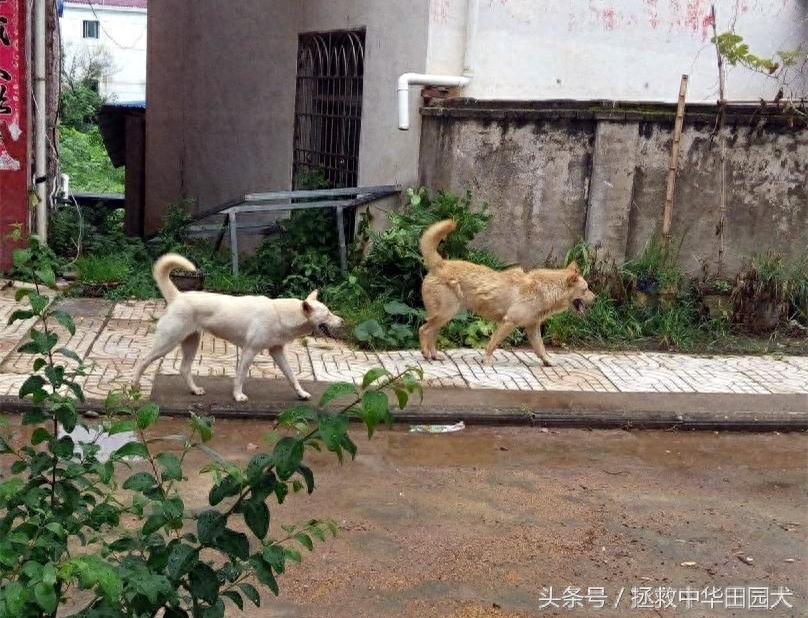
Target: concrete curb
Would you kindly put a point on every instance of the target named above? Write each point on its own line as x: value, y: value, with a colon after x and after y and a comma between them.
x: 683, y: 411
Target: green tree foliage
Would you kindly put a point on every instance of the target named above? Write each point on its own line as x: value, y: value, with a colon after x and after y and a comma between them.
x: 113, y: 534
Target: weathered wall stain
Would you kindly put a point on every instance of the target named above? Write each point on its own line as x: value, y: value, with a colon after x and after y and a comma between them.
x: 550, y: 181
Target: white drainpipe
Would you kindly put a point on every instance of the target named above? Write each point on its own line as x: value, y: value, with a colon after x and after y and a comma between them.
x: 40, y: 112
x: 422, y: 79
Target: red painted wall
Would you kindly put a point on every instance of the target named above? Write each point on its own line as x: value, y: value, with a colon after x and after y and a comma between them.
x: 14, y: 152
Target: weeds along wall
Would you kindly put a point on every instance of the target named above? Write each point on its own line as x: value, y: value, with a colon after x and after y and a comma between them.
x: 556, y: 172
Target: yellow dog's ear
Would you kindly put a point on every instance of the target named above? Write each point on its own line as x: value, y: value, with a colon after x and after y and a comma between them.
x: 573, y: 266
x: 572, y: 279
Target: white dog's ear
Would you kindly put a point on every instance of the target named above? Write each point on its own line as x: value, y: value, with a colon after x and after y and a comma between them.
x: 307, y: 308
x: 312, y: 296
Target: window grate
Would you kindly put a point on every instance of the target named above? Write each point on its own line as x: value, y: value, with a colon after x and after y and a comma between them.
x: 328, y: 109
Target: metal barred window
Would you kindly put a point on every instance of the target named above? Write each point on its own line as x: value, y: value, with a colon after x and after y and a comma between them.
x: 328, y: 109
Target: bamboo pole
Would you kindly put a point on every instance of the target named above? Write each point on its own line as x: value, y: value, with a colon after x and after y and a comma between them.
x: 722, y: 152
x: 674, y: 162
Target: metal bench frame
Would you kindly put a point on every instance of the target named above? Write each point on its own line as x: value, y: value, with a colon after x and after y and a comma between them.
x: 281, y: 201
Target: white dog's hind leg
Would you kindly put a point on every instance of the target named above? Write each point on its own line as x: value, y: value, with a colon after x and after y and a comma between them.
x: 279, y: 356
x: 160, y: 349
x: 247, y: 356
x: 189, y: 347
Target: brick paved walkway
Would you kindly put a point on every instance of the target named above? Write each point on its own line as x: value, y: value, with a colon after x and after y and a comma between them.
x: 111, y: 337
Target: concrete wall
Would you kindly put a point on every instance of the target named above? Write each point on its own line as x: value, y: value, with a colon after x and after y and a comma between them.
x: 220, y: 113
x: 122, y: 36
x: 612, y: 49
x: 552, y: 176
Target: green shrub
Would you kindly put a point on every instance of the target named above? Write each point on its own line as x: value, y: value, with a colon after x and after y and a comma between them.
x: 103, y: 268
x: 393, y: 266
x: 111, y: 537
x: 83, y: 157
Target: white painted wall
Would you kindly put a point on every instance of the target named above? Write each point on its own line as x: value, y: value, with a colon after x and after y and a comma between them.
x: 631, y: 50
x: 122, y: 34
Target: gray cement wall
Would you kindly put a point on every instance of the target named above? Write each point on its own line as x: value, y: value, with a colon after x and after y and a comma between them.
x: 555, y: 173
x: 221, y: 94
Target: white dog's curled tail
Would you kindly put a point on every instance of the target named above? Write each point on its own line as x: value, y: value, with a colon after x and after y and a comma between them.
x: 431, y: 239
x: 162, y: 269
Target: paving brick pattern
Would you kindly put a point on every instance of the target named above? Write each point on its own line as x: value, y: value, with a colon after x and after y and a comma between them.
x: 111, y: 339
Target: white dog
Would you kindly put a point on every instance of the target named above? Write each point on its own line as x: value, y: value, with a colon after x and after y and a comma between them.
x: 253, y: 323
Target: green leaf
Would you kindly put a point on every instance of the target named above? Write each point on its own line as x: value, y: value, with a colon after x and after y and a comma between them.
x: 21, y: 257
x: 375, y: 409
x: 49, y: 574
x: 349, y: 445
x: 251, y: 593
x: 66, y: 320
x: 368, y: 330
x: 46, y: 597
x: 65, y: 413
x: 31, y: 385
x: 120, y: 427
x: 153, y: 523
x: 233, y: 544
x: 336, y: 390
x: 264, y: 574
x: 292, y: 554
x: 396, y: 307
x: 300, y: 412
x: 172, y: 468
x: 40, y: 435
x: 203, y: 583
x: 35, y: 416
x: 180, y: 560
x: 68, y: 353
x: 256, y: 516
x: 46, y: 276
x: 288, y: 453
x: 38, y: 302
x: 203, y: 426
x: 228, y: 486
x: 332, y: 427
x: 209, y: 525
x: 308, y: 477
x: 140, y: 481
x: 16, y: 597
x: 235, y: 597
x: 147, y: 415
x: 131, y: 449
x: 39, y: 363
x: 22, y: 293
x: 402, y: 396
x: 55, y: 375
x: 63, y: 447
x: 73, y: 386
x: 255, y: 468
x: 214, y: 611
x: 372, y: 375
x: 19, y: 314
x: 305, y: 540
x: 275, y: 557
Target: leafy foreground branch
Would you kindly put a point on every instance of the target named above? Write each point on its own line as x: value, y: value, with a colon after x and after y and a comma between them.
x: 63, y: 546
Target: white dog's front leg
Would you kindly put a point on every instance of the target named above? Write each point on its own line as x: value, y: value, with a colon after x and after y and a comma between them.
x: 247, y: 356
x: 279, y: 356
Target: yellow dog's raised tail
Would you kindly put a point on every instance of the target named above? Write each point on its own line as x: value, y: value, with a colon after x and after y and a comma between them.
x: 162, y: 269
x: 431, y: 239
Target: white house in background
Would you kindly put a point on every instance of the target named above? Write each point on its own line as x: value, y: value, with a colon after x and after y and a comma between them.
x: 112, y: 30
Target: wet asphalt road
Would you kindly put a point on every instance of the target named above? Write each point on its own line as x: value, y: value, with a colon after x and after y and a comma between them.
x: 485, y: 521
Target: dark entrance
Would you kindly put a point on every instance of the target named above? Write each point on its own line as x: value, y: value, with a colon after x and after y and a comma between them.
x: 328, y: 109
